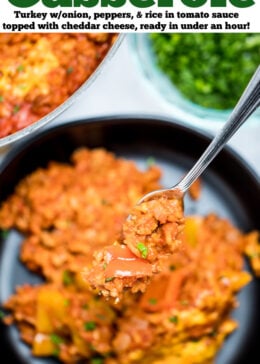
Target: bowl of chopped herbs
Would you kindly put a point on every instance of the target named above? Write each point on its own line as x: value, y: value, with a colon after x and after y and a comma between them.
x: 200, y: 75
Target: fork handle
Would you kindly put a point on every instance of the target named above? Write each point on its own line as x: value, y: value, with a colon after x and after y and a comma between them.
x: 246, y: 105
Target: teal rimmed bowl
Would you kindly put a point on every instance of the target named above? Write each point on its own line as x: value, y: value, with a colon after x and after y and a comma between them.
x: 172, y: 99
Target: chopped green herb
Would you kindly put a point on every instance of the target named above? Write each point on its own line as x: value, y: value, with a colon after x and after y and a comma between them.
x: 210, y: 69
x: 172, y: 267
x: 20, y: 68
x: 142, y: 249
x: 16, y: 108
x: 4, y: 234
x: 91, y: 346
x: 173, y: 319
x: 97, y: 361
x: 85, y: 306
x: 104, y: 266
x: 56, y: 339
x: 56, y: 352
x: 2, y: 314
x: 1, y: 98
x: 109, y: 279
x: 90, y: 325
x: 22, y: 87
x: 67, y: 278
x: 70, y: 70
x: 152, y: 301
x: 150, y: 161
x: 66, y: 302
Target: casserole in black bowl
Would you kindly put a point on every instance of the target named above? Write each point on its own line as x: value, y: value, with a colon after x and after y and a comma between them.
x: 230, y: 189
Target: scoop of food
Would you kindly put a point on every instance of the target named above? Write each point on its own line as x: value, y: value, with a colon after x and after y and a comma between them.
x: 150, y: 235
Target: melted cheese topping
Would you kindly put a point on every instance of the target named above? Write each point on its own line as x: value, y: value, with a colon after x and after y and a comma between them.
x: 28, y: 70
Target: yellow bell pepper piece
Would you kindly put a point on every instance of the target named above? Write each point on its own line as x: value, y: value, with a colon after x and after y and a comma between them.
x: 51, y: 309
x: 191, y: 230
x: 43, y: 345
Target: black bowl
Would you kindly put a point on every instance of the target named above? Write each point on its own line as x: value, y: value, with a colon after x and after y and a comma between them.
x: 230, y: 188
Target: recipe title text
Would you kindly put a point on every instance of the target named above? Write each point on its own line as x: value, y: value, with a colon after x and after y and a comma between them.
x: 136, y: 3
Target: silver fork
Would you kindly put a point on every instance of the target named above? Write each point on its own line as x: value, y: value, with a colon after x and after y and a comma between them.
x: 246, y: 105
